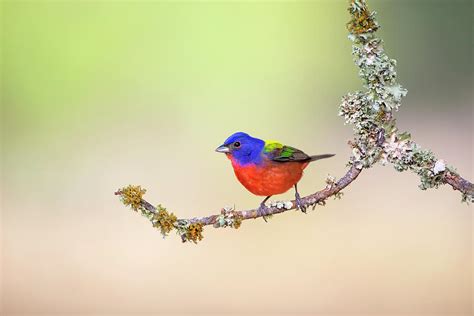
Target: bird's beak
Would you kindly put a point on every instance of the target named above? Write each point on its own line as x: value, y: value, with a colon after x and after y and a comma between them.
x: 223, y: 149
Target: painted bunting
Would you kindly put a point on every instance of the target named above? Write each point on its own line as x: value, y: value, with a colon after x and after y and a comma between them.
x: 267, y: 168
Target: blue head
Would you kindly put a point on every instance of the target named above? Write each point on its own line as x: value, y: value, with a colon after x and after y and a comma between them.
x: 243, y: 148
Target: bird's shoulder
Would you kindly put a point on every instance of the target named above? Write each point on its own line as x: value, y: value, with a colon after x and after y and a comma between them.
x: 276, y: 151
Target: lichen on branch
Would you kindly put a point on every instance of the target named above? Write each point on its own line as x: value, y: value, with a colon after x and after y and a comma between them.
x: 376, y: 140
x: 191, y: 229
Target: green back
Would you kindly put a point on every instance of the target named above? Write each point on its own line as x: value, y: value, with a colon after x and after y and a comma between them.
x: 281, y: 153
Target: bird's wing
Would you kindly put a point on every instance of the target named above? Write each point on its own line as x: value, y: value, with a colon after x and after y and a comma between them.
x: 282, y: 153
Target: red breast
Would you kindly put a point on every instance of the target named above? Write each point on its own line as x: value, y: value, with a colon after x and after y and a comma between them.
x: 269, y: 178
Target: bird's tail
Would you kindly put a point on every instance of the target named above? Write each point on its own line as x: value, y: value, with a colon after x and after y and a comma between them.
x: 318, y: 157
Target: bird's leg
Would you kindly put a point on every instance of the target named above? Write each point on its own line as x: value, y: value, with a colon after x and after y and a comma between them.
x: 263, y: 208
x: 299, y: 201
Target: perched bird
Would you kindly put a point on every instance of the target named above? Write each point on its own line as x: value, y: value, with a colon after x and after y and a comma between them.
x: 267, y: 168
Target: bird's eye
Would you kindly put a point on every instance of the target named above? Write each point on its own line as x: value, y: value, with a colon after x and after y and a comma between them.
x: 237, y: 144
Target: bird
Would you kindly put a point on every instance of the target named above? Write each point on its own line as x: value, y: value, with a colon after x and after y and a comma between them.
x: 267, y: 168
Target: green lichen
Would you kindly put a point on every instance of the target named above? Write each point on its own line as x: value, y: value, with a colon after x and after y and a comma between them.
x: 370, y: 112
x: 356, y: 109
x: 376, y: 137
x: 338, y: 195
x: 422, y: 162
x: 404, y: 154
x: 229, y: 218
x: 467, y: 198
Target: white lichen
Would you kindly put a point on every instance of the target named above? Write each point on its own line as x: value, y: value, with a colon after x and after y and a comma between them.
x: 282, y: 204
x: 330, y: 181
x: 439, y: 166
x: 288, y: 205
x: 226, y: 218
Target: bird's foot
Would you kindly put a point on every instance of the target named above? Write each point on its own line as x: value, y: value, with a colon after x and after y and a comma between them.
x: 299, y: 203
x: 262, y: 211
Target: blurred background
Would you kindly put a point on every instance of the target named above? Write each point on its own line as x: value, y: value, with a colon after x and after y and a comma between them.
x: 96, y: 95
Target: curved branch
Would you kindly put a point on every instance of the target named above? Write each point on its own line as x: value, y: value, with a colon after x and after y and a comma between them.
x: 319, y: 197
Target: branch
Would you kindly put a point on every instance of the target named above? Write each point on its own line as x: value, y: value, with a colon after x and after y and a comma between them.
x: 460, y: 184
x: 371, y: 112
x: 376, y: 139
x: 133, y: 196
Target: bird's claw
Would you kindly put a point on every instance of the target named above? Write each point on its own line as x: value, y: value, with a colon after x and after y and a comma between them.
x: 299, y: 203
x: 262, y: 211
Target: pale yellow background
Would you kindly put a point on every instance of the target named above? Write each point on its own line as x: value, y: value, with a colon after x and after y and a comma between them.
x: 97, y: 95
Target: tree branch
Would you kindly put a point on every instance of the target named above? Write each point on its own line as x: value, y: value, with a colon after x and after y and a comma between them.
x: 376, y: 139
x: 460, y: 184
x: 229, y: 217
